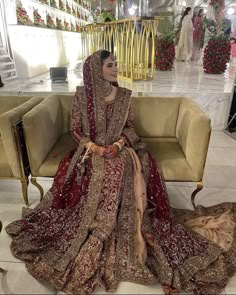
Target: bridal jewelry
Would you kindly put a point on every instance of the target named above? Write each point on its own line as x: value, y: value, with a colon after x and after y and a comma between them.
x: 107, y: 91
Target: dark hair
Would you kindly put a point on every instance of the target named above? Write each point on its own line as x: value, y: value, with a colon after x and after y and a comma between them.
x: 200, y: 11
x: 186, y: 12
x: 104, y: 54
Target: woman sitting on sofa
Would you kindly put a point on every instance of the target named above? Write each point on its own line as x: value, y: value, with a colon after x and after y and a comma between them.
x: 107, y: 217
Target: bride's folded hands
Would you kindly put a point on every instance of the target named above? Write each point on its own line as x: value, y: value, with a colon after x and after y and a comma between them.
x: 110, y: 151
x: 98, y: 150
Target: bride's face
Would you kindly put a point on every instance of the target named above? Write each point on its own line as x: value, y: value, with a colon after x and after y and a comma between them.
x: 109, y: 69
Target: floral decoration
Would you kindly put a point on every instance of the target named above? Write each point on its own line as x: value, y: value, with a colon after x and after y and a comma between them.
x: 219, y: 5
x: 77, y: 27
x: 68, y: 9
x: 165, y: 53
x: 59, y: 24
x: 50, y: 22
x: 61, y: 5
x: 22, y: 16
x: 37, y: 18
x: 73, y: 11
x: 216, y: 55
x: 67, y: 26
x: 44, y: 2
x: 53, y: 3
x: 72, y: 27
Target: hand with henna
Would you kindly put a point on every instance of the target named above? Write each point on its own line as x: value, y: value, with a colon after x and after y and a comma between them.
x: 111, y: 151
x: 98, y: 150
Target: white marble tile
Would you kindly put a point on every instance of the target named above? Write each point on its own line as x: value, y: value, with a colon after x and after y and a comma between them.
x: 212, y: 196
x: 179, y: 196
x: 231, y: 286
x: 220, y: 139
x: 17, y: 280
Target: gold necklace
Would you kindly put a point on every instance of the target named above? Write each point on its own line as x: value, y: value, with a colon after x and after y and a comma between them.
x: 110, y: 91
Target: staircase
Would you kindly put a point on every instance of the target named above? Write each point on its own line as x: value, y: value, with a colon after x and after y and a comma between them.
x: 7, y: 65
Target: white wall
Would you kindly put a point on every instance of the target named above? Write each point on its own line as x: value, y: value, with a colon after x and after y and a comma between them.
x: 38, y: 49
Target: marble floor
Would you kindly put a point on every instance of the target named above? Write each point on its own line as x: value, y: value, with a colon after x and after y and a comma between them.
x: 219, y: 186
x: 213, y: 93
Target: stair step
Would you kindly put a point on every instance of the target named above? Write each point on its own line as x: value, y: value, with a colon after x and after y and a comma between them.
x: 8, y: 71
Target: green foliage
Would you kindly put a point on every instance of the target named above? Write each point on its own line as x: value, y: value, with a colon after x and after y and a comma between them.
x: 165, y: 26
x: 168, y: 37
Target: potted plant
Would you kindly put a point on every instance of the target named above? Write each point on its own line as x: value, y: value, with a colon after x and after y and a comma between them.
x: 165, y: 48
x: 218, y: 48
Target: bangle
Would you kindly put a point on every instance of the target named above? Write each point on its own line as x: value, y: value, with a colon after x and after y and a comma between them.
x: 118, y: 145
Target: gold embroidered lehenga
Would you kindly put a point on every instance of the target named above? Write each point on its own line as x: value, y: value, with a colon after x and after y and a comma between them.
x: 100, y: 224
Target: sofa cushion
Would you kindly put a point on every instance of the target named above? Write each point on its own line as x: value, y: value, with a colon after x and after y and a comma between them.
x: 62, y: 147
x: 5, y: 170
x: 168, y: 153
x: 156, y: 116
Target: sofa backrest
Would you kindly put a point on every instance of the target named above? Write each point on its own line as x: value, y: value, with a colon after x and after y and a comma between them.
x: 66, y: 105
x: 44, y: 122
x: 156, y: 116
x: 8, y: 102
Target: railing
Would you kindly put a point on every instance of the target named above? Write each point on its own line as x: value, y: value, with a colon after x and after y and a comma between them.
x: 131, y: 40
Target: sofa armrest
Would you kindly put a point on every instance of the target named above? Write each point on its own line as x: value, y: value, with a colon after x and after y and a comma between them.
x: 193, y: 133
x: 8, y: 122
x: 42, y: 128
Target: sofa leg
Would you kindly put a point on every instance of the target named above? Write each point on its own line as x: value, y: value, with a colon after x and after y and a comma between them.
x: 199, y: 187
x: 35, y: 183
x: 24, y: 187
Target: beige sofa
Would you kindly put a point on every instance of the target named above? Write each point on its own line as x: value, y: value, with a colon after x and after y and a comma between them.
x: 177, y: 134
x: 13, y: 158
x: 176, y: 131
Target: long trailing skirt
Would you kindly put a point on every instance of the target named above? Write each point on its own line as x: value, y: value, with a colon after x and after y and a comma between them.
x: 86, y: 232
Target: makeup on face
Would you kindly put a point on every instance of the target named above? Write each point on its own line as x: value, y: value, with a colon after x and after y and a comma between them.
x: 110, y: 70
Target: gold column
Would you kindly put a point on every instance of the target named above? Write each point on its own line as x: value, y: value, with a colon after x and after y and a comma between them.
x: 131, y: 40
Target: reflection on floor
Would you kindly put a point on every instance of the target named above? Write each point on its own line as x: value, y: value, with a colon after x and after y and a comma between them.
x: 212, y: 93
x: 219, y: 186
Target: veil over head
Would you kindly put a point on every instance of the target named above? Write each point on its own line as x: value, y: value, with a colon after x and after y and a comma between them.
x: 94, y: 91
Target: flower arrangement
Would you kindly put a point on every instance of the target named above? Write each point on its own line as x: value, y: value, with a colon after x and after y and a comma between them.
x: 66, y: 26
x: 165, y: 53
x: 210, y: 25
x: 22, y: 16
x: 73, y: 11
x: 59, y: 24
x: 50, y: 22
x: 38, y: 19
x: 44, y: 2
x: 53, y: 3
x: 77, y: 28
x: 216, y: 55
x: 68, y: 9
x: 72, y: 27
x: 219, y: 5
x: 61, y: 5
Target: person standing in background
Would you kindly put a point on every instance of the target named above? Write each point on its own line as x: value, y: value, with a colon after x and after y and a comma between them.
x: 198, y: 35
x: 185, y: 44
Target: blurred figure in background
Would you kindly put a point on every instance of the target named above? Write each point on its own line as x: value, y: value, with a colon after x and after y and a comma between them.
x: 198, y: 35
x: 185, y: 44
